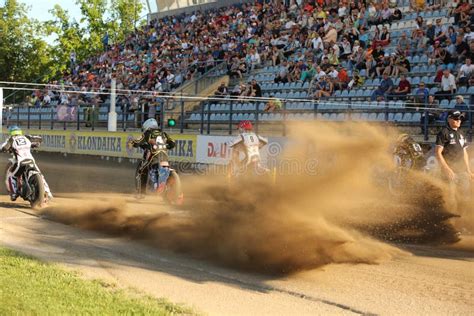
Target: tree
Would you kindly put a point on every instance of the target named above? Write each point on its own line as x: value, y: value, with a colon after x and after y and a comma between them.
x: 24, y: 55
x: 69, y: 38
x: 127, y: 16
x: 98, y: 19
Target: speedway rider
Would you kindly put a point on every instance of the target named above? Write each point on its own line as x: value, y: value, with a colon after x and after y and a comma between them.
x: 20, y: 146
x: 247, y: 143
x: 155, y: 144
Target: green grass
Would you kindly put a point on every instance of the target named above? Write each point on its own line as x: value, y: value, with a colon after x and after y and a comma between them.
x: 29, y: 286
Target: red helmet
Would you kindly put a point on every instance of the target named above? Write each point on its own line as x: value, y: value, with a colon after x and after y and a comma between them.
x: 245, y: 125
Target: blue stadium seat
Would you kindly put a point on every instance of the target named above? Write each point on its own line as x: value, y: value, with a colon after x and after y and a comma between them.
x: 416, y: 81
x: 407, y: 117
x: 433, y: 90
x: 381, y: 117
x: 462, y: 90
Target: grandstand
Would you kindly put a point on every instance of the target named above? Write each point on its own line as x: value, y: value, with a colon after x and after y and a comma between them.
x: 273, y: 33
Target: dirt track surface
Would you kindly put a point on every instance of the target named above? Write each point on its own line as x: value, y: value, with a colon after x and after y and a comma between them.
x: 432, y: 280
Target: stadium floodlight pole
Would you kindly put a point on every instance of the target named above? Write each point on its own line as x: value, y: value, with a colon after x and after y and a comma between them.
x: 112, y: 124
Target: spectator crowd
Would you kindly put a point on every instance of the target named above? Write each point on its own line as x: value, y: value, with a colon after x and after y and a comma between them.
x: 331, y: 44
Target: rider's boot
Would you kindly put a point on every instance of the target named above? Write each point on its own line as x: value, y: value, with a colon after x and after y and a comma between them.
x: 13, y: 188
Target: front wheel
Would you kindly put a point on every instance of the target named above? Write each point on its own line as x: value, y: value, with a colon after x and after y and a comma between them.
x: 37, y: 196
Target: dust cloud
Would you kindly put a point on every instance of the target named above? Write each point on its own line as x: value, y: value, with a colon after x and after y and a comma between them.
x: 334, y: 207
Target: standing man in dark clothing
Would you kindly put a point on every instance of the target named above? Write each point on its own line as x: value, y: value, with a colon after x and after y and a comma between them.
x: 451, y: 148
x: 451, y: 153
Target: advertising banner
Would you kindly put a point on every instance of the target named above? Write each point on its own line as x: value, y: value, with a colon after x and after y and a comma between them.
x: 111, y: 144
x: 213, y: 149
x: 65, y: 113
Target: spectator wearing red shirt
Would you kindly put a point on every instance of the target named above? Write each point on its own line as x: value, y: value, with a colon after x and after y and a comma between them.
x: 403, y: 89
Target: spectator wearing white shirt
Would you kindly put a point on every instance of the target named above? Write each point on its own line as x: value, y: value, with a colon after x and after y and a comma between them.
x: 469, y: 35
x: 346, y: 49
x: 333, y: 73
x: 319, y: 73
x: 465, y: 72
x: 46, y: 100
x: 317, y: 44
x: 448, y: 86
x: 254, y: 58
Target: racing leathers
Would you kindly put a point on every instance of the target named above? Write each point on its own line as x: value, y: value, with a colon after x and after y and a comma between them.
x: 248, y: 145
x: 20, y: 146
x: 155, y: 145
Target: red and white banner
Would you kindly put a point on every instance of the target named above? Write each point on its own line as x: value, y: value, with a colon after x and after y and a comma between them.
x: 216, y: 149
x: 213, y: 149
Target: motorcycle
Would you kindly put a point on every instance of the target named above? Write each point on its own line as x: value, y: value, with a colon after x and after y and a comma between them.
x: 407, y: 156
x: 31, y: 184
x: 162, y: 179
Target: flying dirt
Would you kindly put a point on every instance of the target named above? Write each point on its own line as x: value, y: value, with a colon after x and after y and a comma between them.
x: 330, y: 204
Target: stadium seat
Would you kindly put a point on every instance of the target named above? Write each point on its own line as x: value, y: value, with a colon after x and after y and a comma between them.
x: 444, y: 104
x: 398, y: 117
x: 407, y: 117
x: 452, y: 104
x: 462, y: 90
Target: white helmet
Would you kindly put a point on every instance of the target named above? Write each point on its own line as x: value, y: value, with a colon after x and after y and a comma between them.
x: 151, y: 123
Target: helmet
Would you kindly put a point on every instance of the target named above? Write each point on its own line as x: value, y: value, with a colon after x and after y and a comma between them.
x: 245, y: 125
x: 151, y: 123
x: 14, y: 131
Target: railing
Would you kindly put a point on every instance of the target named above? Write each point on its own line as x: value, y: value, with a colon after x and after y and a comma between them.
x: 197, y: 85
x: 220, y: 116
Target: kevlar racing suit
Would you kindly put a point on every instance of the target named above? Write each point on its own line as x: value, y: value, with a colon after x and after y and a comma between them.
x: 155, y: 145
x: 248, y: 144
x: 20, y: 146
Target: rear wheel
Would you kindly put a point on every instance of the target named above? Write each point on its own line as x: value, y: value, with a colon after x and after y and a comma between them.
x: 7, y: 167
x: 174, y: 194
x: 37, y: 196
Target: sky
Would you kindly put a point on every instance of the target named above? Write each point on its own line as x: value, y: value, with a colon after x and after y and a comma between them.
x: 39, y: 9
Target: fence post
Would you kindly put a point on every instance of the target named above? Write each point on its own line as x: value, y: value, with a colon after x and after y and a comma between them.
x: 162, y: 113
x: 284, y: 118
x: 425, y: 122
x: 28, y: 124
x: 203, y: 107
x: 112, y: 119
x: 209, y: 121
x: 256, y: 116
x: 181, y: 129
x: 124, y: 116
x: 39, y: 121
x: 231, y: 110
x: 78, y: 127
x: 93, y: 117
x: 52, y: 118
x: 349, y: 112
